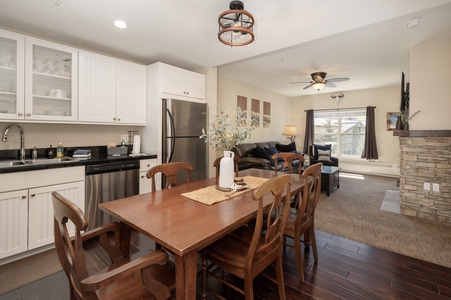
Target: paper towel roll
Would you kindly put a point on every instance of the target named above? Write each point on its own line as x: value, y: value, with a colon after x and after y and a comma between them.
x: 136, y: 144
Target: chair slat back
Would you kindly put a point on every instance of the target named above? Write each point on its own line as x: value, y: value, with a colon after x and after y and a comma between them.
x: 277, y: 215
x: 310, y: 194
x: 70, y: 252
x: 170, y: 171
x: 287, y: 158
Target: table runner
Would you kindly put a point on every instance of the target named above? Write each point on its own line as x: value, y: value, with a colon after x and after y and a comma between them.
x: 211, y: 195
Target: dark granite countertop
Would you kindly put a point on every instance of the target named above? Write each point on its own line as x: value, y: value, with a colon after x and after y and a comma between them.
x: 98, y: 156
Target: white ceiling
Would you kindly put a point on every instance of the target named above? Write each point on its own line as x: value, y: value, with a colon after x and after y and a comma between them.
x: 365, y: 40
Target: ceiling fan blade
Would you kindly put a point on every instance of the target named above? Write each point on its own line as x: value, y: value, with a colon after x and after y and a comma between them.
x: 330, y: 84
x: 307, y: 87
x: 338, y: 79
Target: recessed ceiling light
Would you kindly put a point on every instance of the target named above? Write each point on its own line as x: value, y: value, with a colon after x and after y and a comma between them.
x: 413, y: 23
x: 120, y: 24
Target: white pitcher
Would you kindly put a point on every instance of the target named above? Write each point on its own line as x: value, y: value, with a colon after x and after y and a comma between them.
x: 226, y: 170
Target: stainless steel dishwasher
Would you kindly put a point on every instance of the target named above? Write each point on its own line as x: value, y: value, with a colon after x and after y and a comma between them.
x: 106, y: 182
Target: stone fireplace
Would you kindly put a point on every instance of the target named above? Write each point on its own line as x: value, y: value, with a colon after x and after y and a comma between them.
x: 425, y: 157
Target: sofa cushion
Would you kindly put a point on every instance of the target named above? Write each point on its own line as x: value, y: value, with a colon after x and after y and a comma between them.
x: 271, y: 151
x: 320, y: 147
x: 260, y: 153
x: 244, y: 150
x: 324, y: 155
x: 286, y: 148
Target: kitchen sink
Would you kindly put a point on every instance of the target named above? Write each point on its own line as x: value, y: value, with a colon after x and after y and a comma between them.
x: 21, y: 163
x: 41, y: 161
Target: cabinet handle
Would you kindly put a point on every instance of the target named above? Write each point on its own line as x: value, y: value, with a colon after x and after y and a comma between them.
x: 20, y: 114
x: 142, y: 176
x: 119, y: 119
x: 148, y: 165
x: 32, y: 195
x: 114, y: 119
x: 23, y: 197
x: 28, y: 115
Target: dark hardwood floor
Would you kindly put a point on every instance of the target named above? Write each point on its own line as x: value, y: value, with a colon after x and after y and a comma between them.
x: 345, y: 270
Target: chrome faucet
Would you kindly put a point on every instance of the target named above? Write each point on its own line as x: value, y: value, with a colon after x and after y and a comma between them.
x: 22, y: 143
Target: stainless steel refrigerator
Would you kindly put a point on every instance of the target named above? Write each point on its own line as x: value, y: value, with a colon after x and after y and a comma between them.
x: 183, y: 122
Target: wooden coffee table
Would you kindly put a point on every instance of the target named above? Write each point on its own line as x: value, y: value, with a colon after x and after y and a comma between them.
x: 330, y: 178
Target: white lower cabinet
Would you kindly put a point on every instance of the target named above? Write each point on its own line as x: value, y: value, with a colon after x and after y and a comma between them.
x: 26, y: 210
x: 13, y: 222
x: 40, y: 218
x: 144, y: 183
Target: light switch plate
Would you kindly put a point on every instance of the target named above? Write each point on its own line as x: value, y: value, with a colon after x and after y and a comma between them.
x: 435, y: 187
x: 427, y: 186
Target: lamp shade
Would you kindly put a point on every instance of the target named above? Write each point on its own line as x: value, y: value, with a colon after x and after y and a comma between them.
x: 290, y: 130
x: 318, y: 85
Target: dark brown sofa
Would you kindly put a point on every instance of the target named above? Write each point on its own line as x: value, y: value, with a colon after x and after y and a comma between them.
x: 246, y: 154
x: 253, y: 155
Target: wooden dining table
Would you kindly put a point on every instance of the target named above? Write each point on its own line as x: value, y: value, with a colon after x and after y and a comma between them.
x: 185, y: 226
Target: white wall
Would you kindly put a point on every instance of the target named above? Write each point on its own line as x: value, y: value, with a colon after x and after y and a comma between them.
x: 229, y: 89
x: 430, y: 91
x: 385, y: 100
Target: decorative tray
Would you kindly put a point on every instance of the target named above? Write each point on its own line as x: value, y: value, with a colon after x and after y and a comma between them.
x: 234, y: 188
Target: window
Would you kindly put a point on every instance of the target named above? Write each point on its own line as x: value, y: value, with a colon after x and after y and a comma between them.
x: 344, y: 129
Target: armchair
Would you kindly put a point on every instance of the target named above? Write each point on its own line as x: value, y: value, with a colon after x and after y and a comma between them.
x: 331, y: 161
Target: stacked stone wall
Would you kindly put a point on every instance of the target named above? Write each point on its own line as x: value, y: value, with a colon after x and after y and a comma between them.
x: 425, y: 159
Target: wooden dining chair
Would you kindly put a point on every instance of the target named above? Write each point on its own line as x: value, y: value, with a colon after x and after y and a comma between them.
x: 288, y: 158
x: 141, y: 276
x: 249, y: 250
x: 236, y: 160
x: 301, y: 220
x: 170, y: 171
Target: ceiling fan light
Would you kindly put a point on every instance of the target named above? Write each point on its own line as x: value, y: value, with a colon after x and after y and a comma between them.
x: 236, y: 25
x: 318, y: 85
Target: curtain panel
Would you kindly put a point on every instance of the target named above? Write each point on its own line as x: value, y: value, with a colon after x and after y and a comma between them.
x: 370, y: 148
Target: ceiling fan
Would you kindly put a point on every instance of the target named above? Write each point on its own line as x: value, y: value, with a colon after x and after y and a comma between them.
x: 319, y: 81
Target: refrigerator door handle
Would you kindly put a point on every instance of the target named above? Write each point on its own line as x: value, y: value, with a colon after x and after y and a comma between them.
x: 171, y: 122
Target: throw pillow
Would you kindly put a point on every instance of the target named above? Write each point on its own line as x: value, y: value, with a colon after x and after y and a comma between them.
x: 260, y: 153
x: 320, y: 147
x: 271, y: 151
x: 324, y: 155
x: 286, y: 148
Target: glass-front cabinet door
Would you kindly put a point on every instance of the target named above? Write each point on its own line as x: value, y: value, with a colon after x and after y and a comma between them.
x: 11, y: 75
x: 51, y: 73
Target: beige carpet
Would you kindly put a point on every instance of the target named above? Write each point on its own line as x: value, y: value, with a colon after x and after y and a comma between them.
x: 27, y: 270
x: 353, y: 211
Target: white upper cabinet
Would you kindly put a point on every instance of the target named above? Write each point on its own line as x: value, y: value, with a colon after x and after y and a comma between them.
x: 111, y: 91
x: 12, y: 68
x: 131, y: 93
x: 97, y: 88
x: 51, y: 87
x: 177, y: 81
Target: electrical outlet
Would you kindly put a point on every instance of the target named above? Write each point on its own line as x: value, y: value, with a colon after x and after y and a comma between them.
x: 124, y: 137
x: 436, y: 187
x: 427, y: 186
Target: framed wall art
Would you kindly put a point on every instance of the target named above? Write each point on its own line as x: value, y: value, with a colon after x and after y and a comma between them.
x: 241, y: 110
x: 392, y: 118
x: 255, y: 113
x: 266, y: 114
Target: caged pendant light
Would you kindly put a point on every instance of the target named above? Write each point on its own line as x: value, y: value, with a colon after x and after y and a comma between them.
x: 235, y: 25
